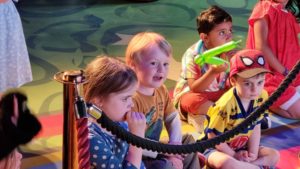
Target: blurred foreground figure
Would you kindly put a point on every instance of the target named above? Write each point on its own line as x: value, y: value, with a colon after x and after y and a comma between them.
x: 17, y: 124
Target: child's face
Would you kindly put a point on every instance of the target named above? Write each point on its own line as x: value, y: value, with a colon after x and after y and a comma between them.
x: 153, y: 68
x: 220, y: 34
x: 12, y: 161
x: 116, y: 105
x: 18, y: 158
x: 250, y: 88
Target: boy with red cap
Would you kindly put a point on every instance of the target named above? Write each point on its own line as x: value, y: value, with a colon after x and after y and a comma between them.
x: 247, y: 76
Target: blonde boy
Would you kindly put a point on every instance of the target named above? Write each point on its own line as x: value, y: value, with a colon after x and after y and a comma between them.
x: 149, y: 55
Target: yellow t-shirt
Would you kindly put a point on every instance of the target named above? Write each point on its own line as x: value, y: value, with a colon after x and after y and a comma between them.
x: 227, y: 113
x: 159, y: 104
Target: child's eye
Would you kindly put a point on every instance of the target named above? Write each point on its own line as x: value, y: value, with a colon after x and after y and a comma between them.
x: 125, y: 99
x: 260, y: 82
x: 153, y: 63
x: 166, y: 64
x: 247, y: 84
x: 222, y: 33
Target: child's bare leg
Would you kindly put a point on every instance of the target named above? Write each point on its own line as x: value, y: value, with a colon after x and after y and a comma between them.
x: 292, y: 112
x: 224, y: 161
x: 267, y: 157
x: 281, y: 112
x: 197, y: 118
x: 203, y: 108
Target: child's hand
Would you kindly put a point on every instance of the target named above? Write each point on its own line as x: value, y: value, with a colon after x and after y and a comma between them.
x: 229, y: 54
x: 176, y: 161
x: 218, y: 68
x: 252, y: 157
x: 242, y: 155
x: 136, y: 123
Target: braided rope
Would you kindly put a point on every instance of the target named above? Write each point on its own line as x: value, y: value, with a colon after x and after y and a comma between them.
x: 83, y: 143
x: 199, y: 146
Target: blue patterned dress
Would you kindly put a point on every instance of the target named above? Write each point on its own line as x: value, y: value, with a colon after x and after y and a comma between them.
x: 108, y: 151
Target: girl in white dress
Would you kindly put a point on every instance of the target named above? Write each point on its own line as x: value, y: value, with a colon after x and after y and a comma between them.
x: 15, y: 69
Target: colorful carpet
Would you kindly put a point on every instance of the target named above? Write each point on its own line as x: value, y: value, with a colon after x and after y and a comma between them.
x: 65, y: 35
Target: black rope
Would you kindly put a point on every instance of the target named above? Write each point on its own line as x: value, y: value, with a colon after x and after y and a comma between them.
x: 199, y: 146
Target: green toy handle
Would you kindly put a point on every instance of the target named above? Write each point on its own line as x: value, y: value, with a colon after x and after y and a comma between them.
x: 209, y: 56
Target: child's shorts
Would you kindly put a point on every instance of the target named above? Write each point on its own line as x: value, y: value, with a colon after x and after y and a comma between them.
x: 190, y: 102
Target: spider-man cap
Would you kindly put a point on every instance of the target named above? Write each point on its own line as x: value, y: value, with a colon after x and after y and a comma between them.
x: 248, y: 63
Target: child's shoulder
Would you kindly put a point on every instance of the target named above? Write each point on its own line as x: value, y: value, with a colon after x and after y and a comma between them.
x: 195, y: 48
x: 264, y: 94
x: 267, y: 6
x: 226, y: 99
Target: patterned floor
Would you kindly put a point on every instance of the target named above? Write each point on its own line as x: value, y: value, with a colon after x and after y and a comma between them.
x: 65, y: 35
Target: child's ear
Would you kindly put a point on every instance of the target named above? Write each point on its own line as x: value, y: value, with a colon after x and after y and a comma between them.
x: 98, y: 102
x: 132, y: 66
x: 232, y: 81
x: 203, y: 36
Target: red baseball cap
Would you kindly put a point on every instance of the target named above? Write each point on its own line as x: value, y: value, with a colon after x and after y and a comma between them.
x: 248, y: 63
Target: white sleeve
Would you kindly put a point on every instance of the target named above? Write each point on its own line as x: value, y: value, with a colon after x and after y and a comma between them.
x: 173, y: 126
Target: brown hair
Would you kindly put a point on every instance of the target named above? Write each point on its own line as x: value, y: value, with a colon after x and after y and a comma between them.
x: 142, y: 42
x: 105, y: 76
x: 209, y: 18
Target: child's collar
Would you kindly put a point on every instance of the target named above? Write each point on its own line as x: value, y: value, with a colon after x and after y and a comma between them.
x: 241, y: 106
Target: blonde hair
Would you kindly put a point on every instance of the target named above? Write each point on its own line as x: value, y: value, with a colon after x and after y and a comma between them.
x: 144, y: 41
x: 107, y: 75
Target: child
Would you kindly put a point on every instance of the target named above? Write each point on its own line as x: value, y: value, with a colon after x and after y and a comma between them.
x: 247, y: 76
x: 12, y: 161
x: 274, y: 30
x: 110, y: 86
x: 14, y: 59
x: 200, y: 86
x: 149, y: 55
x: 17, y: 124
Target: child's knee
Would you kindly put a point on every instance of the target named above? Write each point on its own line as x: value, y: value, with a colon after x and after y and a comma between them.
x: 294, y: 110
x: 224, y: 162
x: 275, y: 156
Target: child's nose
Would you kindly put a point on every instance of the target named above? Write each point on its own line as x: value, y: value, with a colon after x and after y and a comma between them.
x: 131, y: 104
x: 228, y: 36
x: 254, y: 88
x: 160, y: 68
x: 19, y: 155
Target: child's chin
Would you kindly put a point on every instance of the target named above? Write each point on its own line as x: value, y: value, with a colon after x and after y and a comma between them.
x: 253, y: 97
x: 157, y: 84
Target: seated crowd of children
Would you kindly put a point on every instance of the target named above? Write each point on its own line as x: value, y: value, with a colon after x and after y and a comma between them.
x: 214, y: 98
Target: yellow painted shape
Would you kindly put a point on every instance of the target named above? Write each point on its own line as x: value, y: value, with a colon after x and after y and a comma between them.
x: 42, y: 160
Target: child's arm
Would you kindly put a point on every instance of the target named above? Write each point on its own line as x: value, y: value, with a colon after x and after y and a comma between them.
x: 134, y: 119
x: 261, y: 43
x: 223, y: 147
x: 253, y: 143
x: 173, y: 126
x: 202, y: 83
x: 103, y: 154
